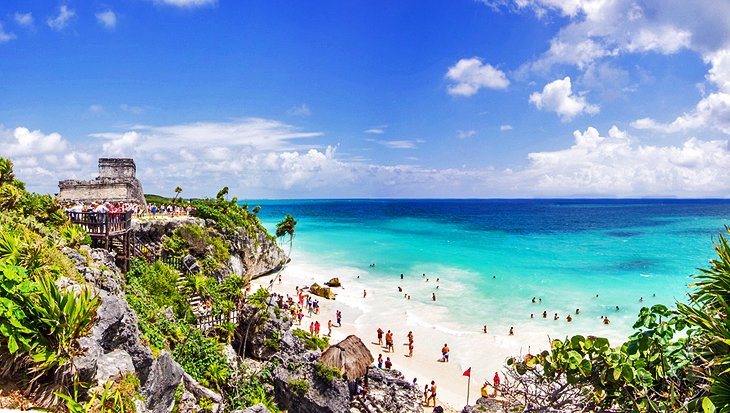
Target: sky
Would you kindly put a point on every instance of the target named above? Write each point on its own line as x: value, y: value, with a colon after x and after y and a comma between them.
x: 370, y: 98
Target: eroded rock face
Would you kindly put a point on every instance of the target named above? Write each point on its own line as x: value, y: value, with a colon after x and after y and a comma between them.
x: 252, y: 253
x: 320, y: 396
x: 114, y: 345
x: 265, y: 333
x: 388, y: 391
x: 485, y: 405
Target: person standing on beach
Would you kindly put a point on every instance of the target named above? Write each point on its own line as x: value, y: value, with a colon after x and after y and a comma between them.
x: 495, y: 382
x: 364, y: 293
x: 445, y: 353
x: 410, y: 349
x: 380, y: 361
x: 388, y: 363
x: 425, y: 395
x: 380, y: 336
x: 316, y: 328
x: 389, y: 342
x: 432, y: 396
x: 329, y: 328
x: 339, y: 318
x: 311, y: 328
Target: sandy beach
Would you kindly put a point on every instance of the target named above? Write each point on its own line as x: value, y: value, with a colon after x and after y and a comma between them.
x: 390, y: 310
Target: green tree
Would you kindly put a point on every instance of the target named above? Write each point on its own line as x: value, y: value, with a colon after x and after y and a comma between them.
x: 286, y: 226
x: 177, y: 191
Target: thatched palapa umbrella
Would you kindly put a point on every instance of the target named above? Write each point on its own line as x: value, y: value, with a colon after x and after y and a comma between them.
x: 350, y: 356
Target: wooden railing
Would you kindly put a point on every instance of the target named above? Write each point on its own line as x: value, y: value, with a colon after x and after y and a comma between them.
x: 102, y: 223
x: 208, y: 321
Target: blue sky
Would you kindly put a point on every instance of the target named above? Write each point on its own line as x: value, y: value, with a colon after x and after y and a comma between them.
x: 460, y: 98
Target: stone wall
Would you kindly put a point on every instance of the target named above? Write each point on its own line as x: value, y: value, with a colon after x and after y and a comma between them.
x: 117, y: 168
x: 116, y: 183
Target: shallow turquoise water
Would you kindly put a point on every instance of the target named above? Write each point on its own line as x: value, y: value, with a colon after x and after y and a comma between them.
x: 493, y: 256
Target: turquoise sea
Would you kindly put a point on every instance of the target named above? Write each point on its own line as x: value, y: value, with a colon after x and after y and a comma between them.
x: 493, y: 256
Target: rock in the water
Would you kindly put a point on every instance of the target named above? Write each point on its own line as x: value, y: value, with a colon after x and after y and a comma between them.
x: 325, y: 292
x: 164, y: 377
x: 334, y: 282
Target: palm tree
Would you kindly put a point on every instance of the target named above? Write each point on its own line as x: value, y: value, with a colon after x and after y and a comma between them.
x: 177, y: 191
x: 286, y: 226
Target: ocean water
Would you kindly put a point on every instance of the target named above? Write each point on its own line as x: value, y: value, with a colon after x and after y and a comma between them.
x: 493, y: 256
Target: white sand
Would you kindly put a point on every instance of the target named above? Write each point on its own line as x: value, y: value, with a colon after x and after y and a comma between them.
x: 389, y: 310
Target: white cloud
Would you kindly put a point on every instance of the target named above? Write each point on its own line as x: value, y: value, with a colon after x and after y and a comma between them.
x: 21, y: 142
x: 558, y: 97
x: 96, y: 108
x: 465, y: 134
x: 401, y: 144
x: 299, y: 110
x: 5, y: 36
x: 376, y: 131
x: 188, y: 3
x: 604, y: 28
x: 614, y: 165
x: 107, y: 19
x: 470, y: 75
x: 40, y: 158
x: 62, y: 20
x: 136, y: 110
x: 24, y: 19
x: 505, y: 128
x: 713, y: 111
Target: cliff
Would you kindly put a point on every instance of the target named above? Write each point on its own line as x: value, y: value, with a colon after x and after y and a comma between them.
x: 252, y: 252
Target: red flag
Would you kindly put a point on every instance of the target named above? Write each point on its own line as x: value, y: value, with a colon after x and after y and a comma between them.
x: 467, y: 373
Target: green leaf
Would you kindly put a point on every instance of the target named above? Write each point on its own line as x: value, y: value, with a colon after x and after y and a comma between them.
x: 707, y: 405
x: 12, y: 344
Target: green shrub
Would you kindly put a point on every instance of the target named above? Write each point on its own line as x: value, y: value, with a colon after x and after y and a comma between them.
x: 158, y: 281
x: 299, y: 387
x: 201, y: 357
x: 248, y: 388
x: 311, y: 342
x: 325, y: 372
x: 274, y: 342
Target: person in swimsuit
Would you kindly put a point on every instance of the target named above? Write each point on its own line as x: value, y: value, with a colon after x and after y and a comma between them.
x: 380, y: 361
x: 389, y: 342
x: 445, y: 353
x: 425, y: 394
x: 380, y: 336
x: 433, y: 394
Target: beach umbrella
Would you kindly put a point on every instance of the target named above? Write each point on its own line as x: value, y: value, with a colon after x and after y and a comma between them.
x: 350, y: 356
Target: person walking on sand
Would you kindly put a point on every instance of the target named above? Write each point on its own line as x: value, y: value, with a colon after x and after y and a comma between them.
x: 445, y: 353
x: 410, y: 349
x: 432, y: 396
x: 495, y: 383
x: 339, y: 318
x: 364, y: 293
x: 380, y: 336
x: 329, y: 328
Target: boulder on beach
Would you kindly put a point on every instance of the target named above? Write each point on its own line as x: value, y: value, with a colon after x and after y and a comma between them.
x: 325, y: 292
x: 334, y: 282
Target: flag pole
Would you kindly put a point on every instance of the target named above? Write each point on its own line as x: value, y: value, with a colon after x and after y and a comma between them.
x: 468, y: 387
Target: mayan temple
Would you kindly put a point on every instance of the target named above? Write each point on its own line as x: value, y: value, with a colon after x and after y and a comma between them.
x: 116, y: 182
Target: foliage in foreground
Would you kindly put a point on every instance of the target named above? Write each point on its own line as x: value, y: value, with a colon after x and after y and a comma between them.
x: 657, y: 369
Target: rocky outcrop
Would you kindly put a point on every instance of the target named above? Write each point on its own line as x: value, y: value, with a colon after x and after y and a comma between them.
x: 253, y: 253
x: 259, y: 408
x: 114, y: 345
x: 297, y: 388
x: 485, y: 405
x: 388, y: 391
x: 333, y: 282
x: 325, y: 292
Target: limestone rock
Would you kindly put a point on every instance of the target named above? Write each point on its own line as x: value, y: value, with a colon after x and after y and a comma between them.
x: 389, y: 392
x: 320, y: 397
x: 159, y: 390
x: 485, y: 405
x: 325, y: 292
x: 263, y: 332
x: 333, y: 282
x: 258, y: 408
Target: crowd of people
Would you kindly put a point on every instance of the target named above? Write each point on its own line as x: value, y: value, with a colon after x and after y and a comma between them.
x: 138, y: 210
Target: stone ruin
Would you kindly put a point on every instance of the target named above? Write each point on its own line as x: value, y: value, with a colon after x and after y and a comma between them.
x: 116, y: 183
